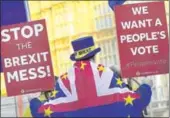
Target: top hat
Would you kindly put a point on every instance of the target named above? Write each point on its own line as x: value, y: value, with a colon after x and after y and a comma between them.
x: 83, y: 48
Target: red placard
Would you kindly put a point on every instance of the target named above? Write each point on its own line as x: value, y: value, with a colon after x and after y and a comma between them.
x: 26, y: 58
x: 142, y: 39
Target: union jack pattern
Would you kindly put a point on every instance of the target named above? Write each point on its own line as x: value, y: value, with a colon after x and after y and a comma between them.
x: 88, y: 89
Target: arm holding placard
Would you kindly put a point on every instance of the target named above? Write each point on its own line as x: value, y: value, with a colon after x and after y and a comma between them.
x: 144, y: 90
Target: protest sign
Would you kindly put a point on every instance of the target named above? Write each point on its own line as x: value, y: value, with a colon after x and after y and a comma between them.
x: 26, y: 58
x: 142, y: 39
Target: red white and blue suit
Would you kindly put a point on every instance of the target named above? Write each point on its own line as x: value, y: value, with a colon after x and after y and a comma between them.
x: 91, y: 90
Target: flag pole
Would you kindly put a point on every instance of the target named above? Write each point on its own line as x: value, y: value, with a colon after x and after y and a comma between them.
x: 27, y: 10
x: 19, y: 98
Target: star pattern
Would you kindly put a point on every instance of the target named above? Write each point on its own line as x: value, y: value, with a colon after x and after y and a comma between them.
x: 48, y: 112
x: 119, y: 82
x: 65, y: 76
x: 83, y: 64
x: 54, y: 92
x: 129, y: 100
x: 101, y: 68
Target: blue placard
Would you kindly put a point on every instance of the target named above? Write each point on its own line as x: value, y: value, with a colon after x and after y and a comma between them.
x: 13, y: 12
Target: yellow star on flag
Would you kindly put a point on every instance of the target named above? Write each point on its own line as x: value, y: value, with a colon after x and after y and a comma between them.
x: 48, y: 112
x: 83, y: 65
x: 54, y: 92
x: 119, y: 82
x: 101, y: 68
x: 129, y: 100
x: 64, y: 76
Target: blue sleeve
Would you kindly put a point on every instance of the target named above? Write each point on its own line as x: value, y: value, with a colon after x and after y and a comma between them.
x: 145, y: 95
x: 34, y: 106
x: 144, y: 91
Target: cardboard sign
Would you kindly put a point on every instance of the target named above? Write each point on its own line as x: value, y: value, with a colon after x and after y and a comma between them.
x: 26, y: 58
x: 142, y: 39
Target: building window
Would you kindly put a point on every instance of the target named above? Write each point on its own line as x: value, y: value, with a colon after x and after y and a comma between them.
x: 110, y: 21
x: 97, y: 23
x: 104, y: 16
x: 107, y: 55
x: 154, y: 97
x: 71, y: 29
x: 109, y: 10
x: 115, y: 59
x: 63, y: 58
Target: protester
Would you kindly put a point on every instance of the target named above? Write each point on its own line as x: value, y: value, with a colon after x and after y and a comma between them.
x: 93, y: 90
